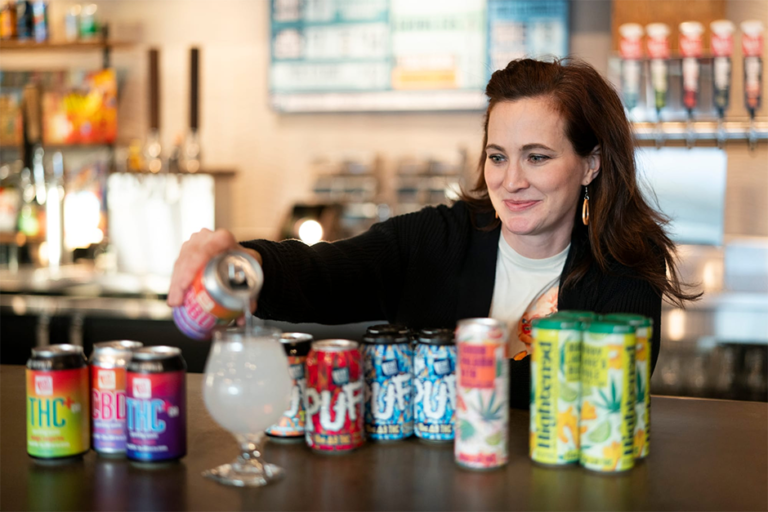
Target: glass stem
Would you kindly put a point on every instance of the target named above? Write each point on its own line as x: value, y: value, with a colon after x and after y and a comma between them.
x: 251, y: 451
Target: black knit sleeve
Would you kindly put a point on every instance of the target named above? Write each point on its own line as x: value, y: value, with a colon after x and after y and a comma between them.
x: 352, y: 280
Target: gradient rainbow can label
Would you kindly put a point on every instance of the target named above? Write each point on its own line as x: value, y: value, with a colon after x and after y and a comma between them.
x: 57, y: 413
x: 108, y: 409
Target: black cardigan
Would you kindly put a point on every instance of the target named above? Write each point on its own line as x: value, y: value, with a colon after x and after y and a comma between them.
x: 426, y: 269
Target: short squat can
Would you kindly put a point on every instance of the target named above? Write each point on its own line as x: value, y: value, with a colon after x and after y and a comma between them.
x: 57, y: 402
x: 220, y: 292
x: 109, y: 363
x: 291, y: 424
x: 388, y: 363
x: 608, y: 396
x: 555, y: 390
x: 482, y: 394
x: 644, y: 333
x: 434, y: 380
x: 334, y: 398
x: 157, y: 403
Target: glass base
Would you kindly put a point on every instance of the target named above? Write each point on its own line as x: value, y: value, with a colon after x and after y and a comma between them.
x: 244, y: 475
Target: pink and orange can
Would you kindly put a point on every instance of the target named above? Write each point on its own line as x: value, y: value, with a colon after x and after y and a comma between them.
x: 334, y: 396
x: 57, y: 402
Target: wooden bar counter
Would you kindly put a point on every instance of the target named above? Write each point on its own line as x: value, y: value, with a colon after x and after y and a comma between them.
x: 705, y: 455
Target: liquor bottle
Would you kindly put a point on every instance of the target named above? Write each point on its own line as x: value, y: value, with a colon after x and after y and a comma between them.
x: 690, y: 49
x: 721, y: 42
x: 152, y: 149
x: 8, y: 22
x: 631, y: 50
x: 191, y: 154
x: 752, y: 50
x: 25, y: 21
x: 54, y: 213
x: 658, y: 51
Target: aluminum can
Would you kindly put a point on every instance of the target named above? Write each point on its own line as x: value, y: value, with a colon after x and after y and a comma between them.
x: 221, y: 292
x: 40, y: 15
x: 109, y: 363
x: 434, y: 379
x: 482, y: 394
x: 608, y: 396
x: 555, y: 390
x: 388, y: 363
x: 157, y: 403
x: 57, y: 402
x: 291, y: 425
x: 643, y: 333
x: 334, y: 398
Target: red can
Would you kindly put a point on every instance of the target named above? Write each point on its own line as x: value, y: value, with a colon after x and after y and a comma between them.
x: 334, y: 396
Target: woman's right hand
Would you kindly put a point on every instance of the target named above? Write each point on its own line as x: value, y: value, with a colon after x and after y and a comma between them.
x: 194, y: 254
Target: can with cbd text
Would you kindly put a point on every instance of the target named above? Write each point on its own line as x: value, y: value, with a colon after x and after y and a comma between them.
x: 291, y: 424
x: 57, y: 402
x: 434, y: 380
x: 555, y: 390
x: 157, y: 405
x: 608, y: 396
x: 482, y: 394
x: 334, y: 397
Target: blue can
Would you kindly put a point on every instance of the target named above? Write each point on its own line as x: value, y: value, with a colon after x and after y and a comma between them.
x: 434, y: 380
x: 388, y: 363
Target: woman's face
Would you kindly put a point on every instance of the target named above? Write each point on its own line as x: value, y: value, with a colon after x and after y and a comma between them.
x: 534, y: 176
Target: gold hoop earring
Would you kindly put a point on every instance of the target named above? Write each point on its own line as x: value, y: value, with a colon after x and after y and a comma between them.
x: 585, y: 207
x: 497, y: 214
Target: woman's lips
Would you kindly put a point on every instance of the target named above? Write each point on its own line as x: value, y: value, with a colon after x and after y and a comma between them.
x: 519, y: 206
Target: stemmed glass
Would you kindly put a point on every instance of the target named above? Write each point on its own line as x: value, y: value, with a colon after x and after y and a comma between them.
x: 246, y: 389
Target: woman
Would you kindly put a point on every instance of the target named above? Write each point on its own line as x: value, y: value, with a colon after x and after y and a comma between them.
x: 556, y: 221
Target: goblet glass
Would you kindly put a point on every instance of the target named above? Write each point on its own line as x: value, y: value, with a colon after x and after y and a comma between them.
x: 246, y: 389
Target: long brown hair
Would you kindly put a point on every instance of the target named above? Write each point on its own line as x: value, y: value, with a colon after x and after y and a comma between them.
x: 622, y: 225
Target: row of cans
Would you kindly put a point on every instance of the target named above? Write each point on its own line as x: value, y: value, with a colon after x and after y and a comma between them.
x: 388, y: 389
x: 590, y: 396
x: 130, y: 400
x: 439, y: 386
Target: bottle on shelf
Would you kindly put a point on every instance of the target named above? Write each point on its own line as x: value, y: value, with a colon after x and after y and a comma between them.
x: 8, y: 22
x: 72, y: 23
x: 191, y: 153
x: 54, y: 213
x: 752, y: 51
x: 42, y: 28
x: 631, y: 49
x: 690, y: 49
x: 152, y: 148
x: 721, y: 44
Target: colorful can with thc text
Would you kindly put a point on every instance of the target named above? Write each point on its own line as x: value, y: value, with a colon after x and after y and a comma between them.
x: 157, y: 405
x: 555, y: 389
x: 644, y: 333
x: 220, y: 292
x: 608, y: 396
x: 291, y: 425
x: 482, y: 394
x: 57, y: 402
x: 109, y: 363
x: 388, y: 363
x: 434, y: 380
x: 334, y: 396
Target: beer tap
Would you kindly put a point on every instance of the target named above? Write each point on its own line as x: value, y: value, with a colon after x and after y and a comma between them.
x: 658, y: 50
x: 631, y: 50
x: 752, y: 51
x: 690, y: 49
x: 722, y: 48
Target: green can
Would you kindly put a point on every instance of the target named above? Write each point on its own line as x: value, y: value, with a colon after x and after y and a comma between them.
x: 555, y: 389
x: 643, y: 331
x: 583, y: 316
x: 608, y: 396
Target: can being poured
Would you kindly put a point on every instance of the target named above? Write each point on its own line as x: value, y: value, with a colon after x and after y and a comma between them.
x: 220, y: 292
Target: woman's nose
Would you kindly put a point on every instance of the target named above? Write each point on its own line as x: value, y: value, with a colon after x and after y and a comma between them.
x: 514, y: 178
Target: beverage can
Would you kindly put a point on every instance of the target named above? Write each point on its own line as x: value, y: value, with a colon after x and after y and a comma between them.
x: 72, y: 23
x: 608, y: 396
x: 221, y: 292
x: 40, y: 19
x: 334, y: 398
x: 643, y: 333
x: 482, y: 394
x: 434, y: 379
x: 291, y: 424
x: 108, y: 367
x: 57, y: 402
x: 156, y: 401
x: 555, y: 389
x: 388, y: 363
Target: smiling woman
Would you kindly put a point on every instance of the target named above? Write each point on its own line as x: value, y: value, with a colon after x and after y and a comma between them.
x: 513, y: 249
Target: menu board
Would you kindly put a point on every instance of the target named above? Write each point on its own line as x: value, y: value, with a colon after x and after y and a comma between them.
x: 384, y: 55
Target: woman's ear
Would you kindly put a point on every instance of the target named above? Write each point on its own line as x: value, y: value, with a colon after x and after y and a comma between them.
x: 593, y: 166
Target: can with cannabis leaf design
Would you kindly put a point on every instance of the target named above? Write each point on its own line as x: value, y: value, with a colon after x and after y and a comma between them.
x: 555, y: 389
x: 644, y: 326
x: 482, y: 394
x: 608, y: 396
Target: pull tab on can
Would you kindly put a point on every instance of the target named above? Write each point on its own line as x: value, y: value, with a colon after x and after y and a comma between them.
x: 219, y: 294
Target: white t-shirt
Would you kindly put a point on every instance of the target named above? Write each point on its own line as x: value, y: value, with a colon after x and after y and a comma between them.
x: 524, y: 289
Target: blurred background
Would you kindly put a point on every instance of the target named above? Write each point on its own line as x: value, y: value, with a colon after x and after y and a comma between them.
x: 127, y: 125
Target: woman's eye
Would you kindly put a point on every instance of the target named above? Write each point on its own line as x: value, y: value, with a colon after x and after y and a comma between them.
x: 496, y: 158
x: 538, y: 158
